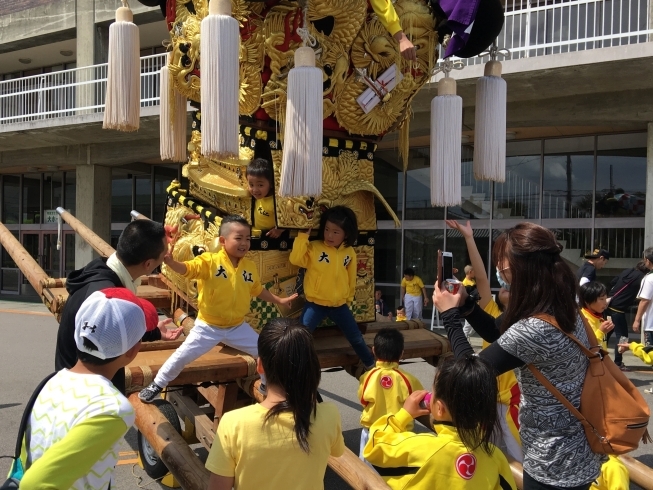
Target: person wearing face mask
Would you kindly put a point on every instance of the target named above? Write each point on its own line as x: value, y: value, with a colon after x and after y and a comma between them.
x: 557, y: 454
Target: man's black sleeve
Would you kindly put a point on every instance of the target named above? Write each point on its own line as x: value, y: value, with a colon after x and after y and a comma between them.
x: 152, y: 335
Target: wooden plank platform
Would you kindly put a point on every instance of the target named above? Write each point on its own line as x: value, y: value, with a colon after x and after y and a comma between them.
x: 159, y: 297
x: 222, y: 364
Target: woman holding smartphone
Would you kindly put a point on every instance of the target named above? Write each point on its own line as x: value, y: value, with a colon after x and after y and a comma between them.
x: 556, y: 452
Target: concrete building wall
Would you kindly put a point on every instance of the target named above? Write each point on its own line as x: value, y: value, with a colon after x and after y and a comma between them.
x: 28, y: 23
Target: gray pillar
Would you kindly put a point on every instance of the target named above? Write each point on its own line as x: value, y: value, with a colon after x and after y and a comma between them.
x: 648, y: 222
x: 93, y: 204
x: 86, y: 37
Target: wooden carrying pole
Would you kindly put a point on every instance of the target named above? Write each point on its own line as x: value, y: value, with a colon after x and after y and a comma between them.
x: 640, y: 474
x: 136, y: 215
x: 25, y: 262
x: 99, y: 245
x: 175, y: 453
x: 356, y: 473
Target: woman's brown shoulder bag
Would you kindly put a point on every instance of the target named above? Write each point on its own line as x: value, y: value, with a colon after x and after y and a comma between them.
x: 613, y: 412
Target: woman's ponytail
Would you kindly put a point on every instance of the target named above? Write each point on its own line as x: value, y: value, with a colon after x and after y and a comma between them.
x: 291, y: 363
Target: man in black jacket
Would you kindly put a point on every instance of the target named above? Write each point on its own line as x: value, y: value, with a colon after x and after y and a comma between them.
x: 141, y: 248
x: 623, y: 291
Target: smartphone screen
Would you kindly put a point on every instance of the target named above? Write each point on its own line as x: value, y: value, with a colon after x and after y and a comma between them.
x: 447, y: 265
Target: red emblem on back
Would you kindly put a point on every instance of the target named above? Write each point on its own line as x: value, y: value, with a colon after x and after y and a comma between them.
x: 386, y: 382
x: 466, y: 465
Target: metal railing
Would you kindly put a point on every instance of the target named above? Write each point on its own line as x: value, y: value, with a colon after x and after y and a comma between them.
x: 538, y: 28
x: 70, y: 92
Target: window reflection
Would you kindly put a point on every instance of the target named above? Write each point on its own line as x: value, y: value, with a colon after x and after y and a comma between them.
x: 121, y: 196
x: 621, y: 182
x: 519, y: 196
x: 10, y: 199
x: 456, y: 245
x: 418, y: 187
x: 622, y: 243
x: 421, y: 252
x: 389, y: 180
x: 387, y: 256
x: 568, y: 186
x: 31, y: 199
x: 475, y: 194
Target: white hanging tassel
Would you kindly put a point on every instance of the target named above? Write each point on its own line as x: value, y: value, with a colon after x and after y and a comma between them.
x: 219, y: 51
x: 172, y: 120
x: 123, y: 98
x: 446, y: 127
x: 490, y: 125
x: 301, y: 168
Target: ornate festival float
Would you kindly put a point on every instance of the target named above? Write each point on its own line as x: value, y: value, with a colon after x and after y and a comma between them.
x: 310, y: 86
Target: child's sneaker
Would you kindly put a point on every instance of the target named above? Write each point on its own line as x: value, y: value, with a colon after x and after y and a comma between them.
x: 151, y: 393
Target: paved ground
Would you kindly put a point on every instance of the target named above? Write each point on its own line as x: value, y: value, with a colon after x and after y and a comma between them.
x: 28, y: 334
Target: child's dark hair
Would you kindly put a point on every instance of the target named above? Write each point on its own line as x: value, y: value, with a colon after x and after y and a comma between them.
x: 468, y: 388
x: 87, y: 358
x: 401, y: 307
x: 641, y: 267
x: 343, y: 217
x: 388, y: 345
x: 290, y: 362
x: 590, y: 292
x: 260, y: 167
x: 409, y: 271
x: 227, y: 221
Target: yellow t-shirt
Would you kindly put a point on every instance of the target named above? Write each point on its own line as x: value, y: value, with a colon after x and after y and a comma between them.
x: 225, y: 292
x: 400, y: 318
x: 468, y: 282
x: 413, y: 287
x: 266, y: 455
x: 595, y: 323
x: 383, y: 390
x: 264, y: 218
x: 614, y: 476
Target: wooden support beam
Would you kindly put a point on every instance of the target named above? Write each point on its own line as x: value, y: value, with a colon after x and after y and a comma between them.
x: 96, y: 243
x: 182, y: 462
x: 640, y: 474
x: 517, y: 472
x: 204, y: 430
x: 356, y: 473
x: 25, y: 262
x: 222, y: 398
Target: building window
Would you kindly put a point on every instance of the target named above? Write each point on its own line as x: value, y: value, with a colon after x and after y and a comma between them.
x: 389, y: 180
x: 70, y: 197
x: 621, y: 176
x: 121, y: 196
x: 31, y: 199
x: 476, y: 194
x: 568, y: 178
x: 622, y: 243
x: 143, y: 197
x: 420, y: 253
x: 10, y: 199
x: 163, y: 175
x: 418, y: 187
x: 457, y: 246
x: 52, y: 190
x: 387, y: 256
x: 519, y: 196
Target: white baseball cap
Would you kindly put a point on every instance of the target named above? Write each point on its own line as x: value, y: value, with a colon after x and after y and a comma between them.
x: 115, y: 320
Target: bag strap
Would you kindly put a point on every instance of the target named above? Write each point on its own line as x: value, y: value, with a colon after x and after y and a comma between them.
x: 588, y: 331
x: 27, y: 413
x: 617, y: 293
x: 548, y: 385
